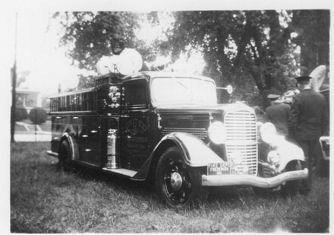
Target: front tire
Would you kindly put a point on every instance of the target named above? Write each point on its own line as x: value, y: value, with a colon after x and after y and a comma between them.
x: 293, y: 187
x: 177, y: 184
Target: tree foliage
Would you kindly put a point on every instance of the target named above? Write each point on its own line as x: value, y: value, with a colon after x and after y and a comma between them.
x: 38, y: 115
x: 21, y: 113
x: 93, y: 35
x: 312, y: 29
x: 240, y: 47
x: 256, y: 51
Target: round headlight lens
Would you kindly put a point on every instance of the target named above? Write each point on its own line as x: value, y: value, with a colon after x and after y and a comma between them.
x: 268, y: 132
x: 217, y: 132
x: 229, y: 89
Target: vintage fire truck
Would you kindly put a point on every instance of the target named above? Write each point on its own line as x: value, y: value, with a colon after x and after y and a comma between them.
x: 169, y: 129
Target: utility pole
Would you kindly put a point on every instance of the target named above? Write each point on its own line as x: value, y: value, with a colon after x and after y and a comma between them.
x: 13, y: 75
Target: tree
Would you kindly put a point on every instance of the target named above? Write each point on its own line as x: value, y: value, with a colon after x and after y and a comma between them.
x: 254, y: 50
x: 38, y: 115
x: 312, y: 30
x: 22, y: 77
x: 240, y: 47
x: 21, y: 113
x: 90, y: 36
x: 93, y: 35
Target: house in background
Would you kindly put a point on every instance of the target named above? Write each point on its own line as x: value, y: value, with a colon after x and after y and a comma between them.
x: 28, y: 99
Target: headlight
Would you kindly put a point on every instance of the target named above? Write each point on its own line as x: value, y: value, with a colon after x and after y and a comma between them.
x: 229, y: 89
x: 268, y: 132
x: 217, y: 132
x: 274, y: 158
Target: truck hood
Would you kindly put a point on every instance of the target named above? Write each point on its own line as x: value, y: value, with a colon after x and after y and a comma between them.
x: 204, y: 108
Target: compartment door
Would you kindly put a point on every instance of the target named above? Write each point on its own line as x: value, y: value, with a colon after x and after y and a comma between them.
x: 89, y: 140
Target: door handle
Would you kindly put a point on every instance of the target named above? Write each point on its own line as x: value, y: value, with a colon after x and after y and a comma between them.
x: 125, y: 115
x: 93, y: 131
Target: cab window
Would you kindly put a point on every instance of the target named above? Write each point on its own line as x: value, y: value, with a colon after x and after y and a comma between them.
x: 135, y: 94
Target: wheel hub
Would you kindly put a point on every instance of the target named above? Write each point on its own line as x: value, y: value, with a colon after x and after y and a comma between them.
x: 176, y: 181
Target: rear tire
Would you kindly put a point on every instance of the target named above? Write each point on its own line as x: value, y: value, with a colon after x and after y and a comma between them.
x: 64, y: 156
x: 177, y: 184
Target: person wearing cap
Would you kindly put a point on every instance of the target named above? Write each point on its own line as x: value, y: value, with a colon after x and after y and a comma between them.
x: 287, y: 97
x: 308, y: 120
x: 278, y: 114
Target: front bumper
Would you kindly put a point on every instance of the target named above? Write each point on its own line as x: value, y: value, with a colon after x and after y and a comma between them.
x: 251, y: 180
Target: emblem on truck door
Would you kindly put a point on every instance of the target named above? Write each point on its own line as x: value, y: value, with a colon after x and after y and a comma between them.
x: 135, y: 126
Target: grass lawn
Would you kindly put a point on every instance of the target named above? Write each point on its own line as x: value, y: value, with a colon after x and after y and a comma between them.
x: 44, y: 200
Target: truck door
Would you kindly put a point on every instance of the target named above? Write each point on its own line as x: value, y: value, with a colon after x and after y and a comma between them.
x: 134, y: 123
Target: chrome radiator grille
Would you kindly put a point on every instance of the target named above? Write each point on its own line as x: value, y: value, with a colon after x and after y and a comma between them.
x: 199, y: 132
x: 241, y: 141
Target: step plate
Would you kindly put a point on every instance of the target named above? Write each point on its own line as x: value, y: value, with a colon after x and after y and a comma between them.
x: 121, y: 171
x: 49, y: 152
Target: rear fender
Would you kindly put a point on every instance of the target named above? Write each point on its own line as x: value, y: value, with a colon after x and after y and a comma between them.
x: 73, y: 145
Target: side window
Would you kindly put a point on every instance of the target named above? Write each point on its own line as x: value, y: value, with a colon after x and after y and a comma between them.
x: 135, y: 94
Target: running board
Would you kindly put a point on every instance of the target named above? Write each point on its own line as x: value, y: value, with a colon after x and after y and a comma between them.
x: 121, y: 171
x: 49, y: 152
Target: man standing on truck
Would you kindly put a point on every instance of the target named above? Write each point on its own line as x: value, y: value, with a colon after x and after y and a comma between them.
x: 308, y: 120
x: 278, y: 114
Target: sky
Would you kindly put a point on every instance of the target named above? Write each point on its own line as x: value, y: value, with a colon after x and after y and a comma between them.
x: 38, y: 51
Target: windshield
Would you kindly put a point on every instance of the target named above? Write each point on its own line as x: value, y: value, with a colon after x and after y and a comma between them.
x: 183, y: 90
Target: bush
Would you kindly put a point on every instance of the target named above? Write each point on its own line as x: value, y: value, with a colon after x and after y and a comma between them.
x: 38, y: 115
x: 20, y: 114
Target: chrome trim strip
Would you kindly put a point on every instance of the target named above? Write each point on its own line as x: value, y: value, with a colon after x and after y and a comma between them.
x: 251, y: 180
x: 321, y: 140
x: 72, y: 112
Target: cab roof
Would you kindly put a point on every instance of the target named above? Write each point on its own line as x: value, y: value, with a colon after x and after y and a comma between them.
x: 153, y: 74
x: 118, y: 78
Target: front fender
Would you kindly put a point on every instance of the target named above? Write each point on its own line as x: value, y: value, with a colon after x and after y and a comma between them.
x: 288, y: 152
x: 196, y: 153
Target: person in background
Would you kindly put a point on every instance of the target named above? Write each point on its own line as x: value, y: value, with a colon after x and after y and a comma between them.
x: 308, y: 120
x: 278, y: 114
x: 288, y: 96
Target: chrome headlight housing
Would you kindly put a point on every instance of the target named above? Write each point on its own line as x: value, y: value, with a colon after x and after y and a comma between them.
x: 268, y: 132
x: 217, y: 132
